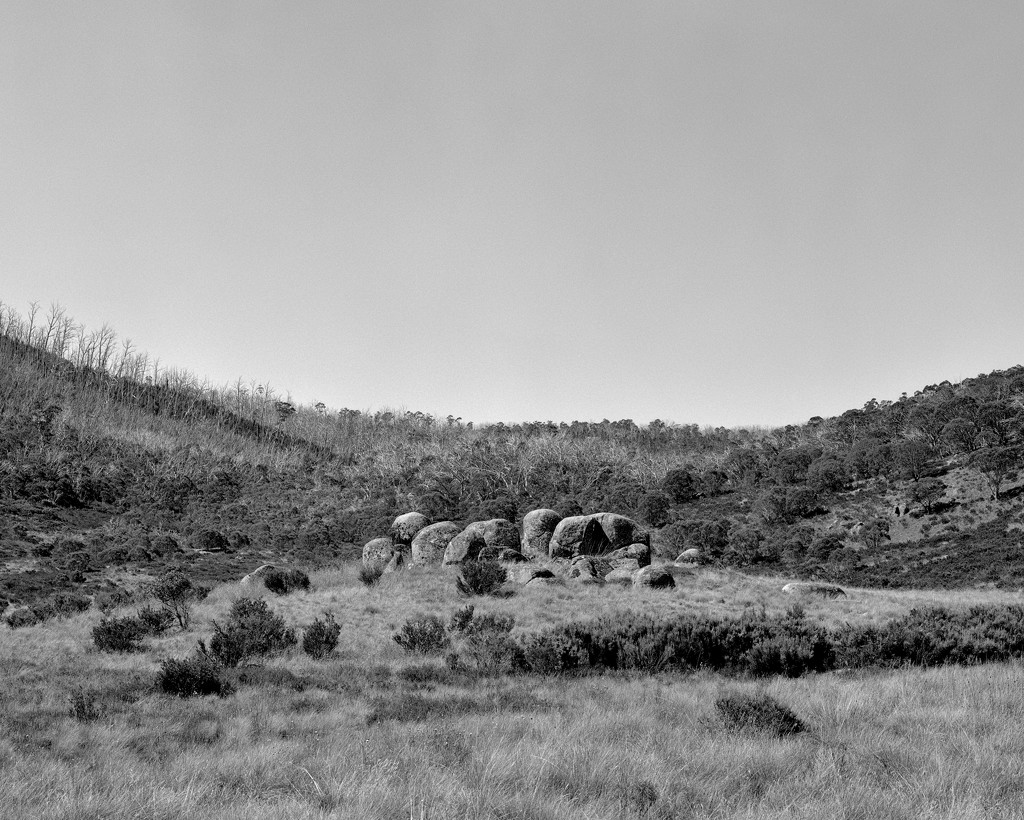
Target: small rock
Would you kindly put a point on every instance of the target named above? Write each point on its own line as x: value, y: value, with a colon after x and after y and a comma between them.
x: 814, y: 588
x: 653, y: 577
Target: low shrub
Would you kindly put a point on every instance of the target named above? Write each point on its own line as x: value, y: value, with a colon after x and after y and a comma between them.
x: 189, y: 677
x: 108, y: 600
x: 481, y: 578
x: 118, y: 635
x: 175, y: 592
x: 26, y: 616
x: 66, y: 604
x: 370, y: 575
x: 283, y: 581
x: 758, y: 713
x: 426, y: 635
x: 320, y: 639
x: 82, y: 705
x: 252, y: 629
x: 153, y: 621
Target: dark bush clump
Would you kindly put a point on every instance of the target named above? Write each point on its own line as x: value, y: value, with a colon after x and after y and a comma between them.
x: 481, y: 578
x: 252, y: 629
x: 283, y: 581
x: 370, y: 575
x: 424, y: 635
x: 82, y: 705
x: 66, y: 604
x: 154, y: 621
x: 26, y: 616
x: 176, y: 593
x: 188, y: 677
x: 118, y: 635
x: 758, y: 713
x: 322, y: 637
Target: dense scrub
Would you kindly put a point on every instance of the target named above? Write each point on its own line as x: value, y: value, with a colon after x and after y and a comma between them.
x: 109, y: 461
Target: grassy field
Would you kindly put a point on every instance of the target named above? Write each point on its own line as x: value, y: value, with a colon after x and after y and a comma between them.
x: 373, y: 732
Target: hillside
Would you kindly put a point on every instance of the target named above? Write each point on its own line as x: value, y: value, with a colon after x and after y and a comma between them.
x: 113, y: 469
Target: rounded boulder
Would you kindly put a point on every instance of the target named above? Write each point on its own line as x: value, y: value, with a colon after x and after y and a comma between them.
x: 538, y: 527
x: 405, y: 527
x: 378, y: 551
x: 430, y: 543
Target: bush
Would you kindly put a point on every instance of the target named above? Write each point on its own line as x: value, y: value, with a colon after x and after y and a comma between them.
x: 66, y: 604
x: 485, y: 647
x: 176, y: 593
x: 283, y: 581
x: 425, y: 635
x: 370, y: 575
x: 154, y: 621
x: 110, y: 599
x: 252, y: 629
x: 481, y: 578
x: 82, y: 705
x: 118, y: 635
x: 26, y: 616
x: 322, y: 637
x: 758, y: 713
x: 188, y: 677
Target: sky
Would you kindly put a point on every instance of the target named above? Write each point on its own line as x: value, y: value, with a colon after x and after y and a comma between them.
x: 724, y: 213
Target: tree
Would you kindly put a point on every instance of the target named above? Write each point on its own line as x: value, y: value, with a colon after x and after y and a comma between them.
x: 873, y: 533
x: 680, y: 485
x: 961, y: 435
x: 654, y: 508
x: 995, y: 464
x: 927, y: 492
x: 911, y: 457
x: 175, y: 593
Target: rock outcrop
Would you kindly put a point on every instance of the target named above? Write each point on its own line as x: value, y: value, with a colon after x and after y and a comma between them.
x: 538, y: 527
x: 495, y: 533
x: 378, y: 551
x: 255, y: 578
x: 430, y: 543
x: 653, y: 577
x: 690, y: 556
x: 405, y: 527
x: 640, y: 553
x: 578, y: 535
x: 814, y: 588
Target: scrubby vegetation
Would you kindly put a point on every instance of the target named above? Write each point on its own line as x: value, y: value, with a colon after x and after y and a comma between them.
x: 129, y: 491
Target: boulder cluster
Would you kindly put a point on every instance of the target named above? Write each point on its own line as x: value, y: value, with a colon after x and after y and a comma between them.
x: 591, y: 549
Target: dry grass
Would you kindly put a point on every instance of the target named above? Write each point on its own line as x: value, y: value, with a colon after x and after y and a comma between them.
x: 945, y: 743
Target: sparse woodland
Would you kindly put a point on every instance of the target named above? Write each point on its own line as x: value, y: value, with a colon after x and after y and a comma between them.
x: 141, y: 679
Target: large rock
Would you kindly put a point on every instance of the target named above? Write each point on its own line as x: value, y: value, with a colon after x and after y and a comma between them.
x: 653, y: 577
x: 587, y: 570
x: 405, y: 527
x: 641, y: 553
x: 378, y: 551
x: 621, y: 531
x: 690, y: 556
x: 496, y: 533
x: 255, y: 578
x: 621, y: 576
x: 538, y: 527
x: 466, y: 546
x: 430, y: 543
x: 501, y: 554
x: 812, y: 588
x: 578, y: 535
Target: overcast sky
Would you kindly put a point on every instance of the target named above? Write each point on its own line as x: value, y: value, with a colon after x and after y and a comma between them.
x: 715, y: 212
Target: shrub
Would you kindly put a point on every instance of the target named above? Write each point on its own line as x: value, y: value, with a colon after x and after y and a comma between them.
x: 252, y: 629
x: 485, y: 647
x: 176, y: 593
x: 118, y: 635
x: 66, y: 604
x: 370, y: 575
x: 188, y: 677
x: 481, y: 578
x: 110, y: 599
x: 322, y: 637
x: 82, y: 705
x: 758, y: 713
x: 425, y: 635
x: 283, y: 581
x: 23, y: 617
x: 154, y: 621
